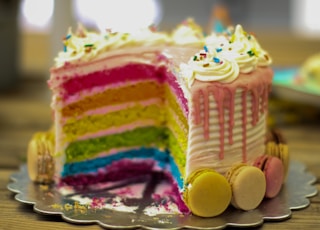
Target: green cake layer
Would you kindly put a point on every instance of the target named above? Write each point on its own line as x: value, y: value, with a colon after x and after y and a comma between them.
x: 160, y: 137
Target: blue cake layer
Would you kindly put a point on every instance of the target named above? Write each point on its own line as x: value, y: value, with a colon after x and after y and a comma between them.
x: 163, y: 160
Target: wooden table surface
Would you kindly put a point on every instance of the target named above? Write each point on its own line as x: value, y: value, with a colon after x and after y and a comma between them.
x: 26, y: 110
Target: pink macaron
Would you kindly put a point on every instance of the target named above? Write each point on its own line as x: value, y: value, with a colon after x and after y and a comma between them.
x: 272, y: 167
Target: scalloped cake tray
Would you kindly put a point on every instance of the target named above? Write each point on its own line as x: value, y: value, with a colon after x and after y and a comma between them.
x: 147, y: 203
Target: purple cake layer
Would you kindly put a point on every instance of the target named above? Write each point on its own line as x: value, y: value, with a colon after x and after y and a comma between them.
x: 128, y: 170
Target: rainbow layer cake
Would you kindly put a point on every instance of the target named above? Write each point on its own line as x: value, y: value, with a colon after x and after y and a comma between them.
x: 190, y: 106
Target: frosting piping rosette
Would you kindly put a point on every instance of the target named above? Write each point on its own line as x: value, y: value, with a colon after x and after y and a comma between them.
x: 241, y: 50
x: 188, y: 33
x: 263, y: 57
x: 208, y: 66
x: 246, y: 50
x: 229, y: 54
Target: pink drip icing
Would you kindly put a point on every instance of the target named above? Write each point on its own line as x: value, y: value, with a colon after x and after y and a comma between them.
x: 254, y: 106
x: 196, y: 104
x: 244, y: 125
x: 206, y: 114
x: 264, y: 104
x: 231, y: 117
x: 266, y: 94
x: 257, y: 83
x: 219, y: 96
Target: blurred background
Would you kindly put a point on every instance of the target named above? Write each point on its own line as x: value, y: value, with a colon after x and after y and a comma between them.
x: 31, y: 34
x: 31, y: 31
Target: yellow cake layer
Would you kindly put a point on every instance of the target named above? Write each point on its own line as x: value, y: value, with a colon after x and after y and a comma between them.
x: 172, y: 102
x: 174, y: 124
x: 94, y: 123
x: 177, y: 153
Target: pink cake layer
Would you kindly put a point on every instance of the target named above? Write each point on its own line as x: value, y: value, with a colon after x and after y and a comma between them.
x: 130, y: 72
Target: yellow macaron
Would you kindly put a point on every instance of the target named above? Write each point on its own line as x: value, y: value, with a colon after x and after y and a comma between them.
x: 277, y: 146
x: 39, y: 157
x: 207, y: 193
x: 248, y: 185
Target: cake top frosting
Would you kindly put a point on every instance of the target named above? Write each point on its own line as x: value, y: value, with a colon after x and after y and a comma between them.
x: 84, y: 45
x: 188, y: 33
x: 225, y: 56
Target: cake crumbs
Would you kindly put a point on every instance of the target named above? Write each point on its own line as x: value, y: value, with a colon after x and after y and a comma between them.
x: 44, y: 187
x: 57, y: 206
x: 68, y: 207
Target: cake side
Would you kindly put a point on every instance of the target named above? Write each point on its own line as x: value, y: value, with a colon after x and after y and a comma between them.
x: 229, y: 82
x: 232, y: 125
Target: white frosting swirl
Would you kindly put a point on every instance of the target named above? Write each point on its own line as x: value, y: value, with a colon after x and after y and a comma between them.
x: 77, y: 46
x: 188, y: 33
x: 240, y: 49
x: 208, y: 66
x: 225, y: 56
x: 263, y: 57
x: 216, y: 40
